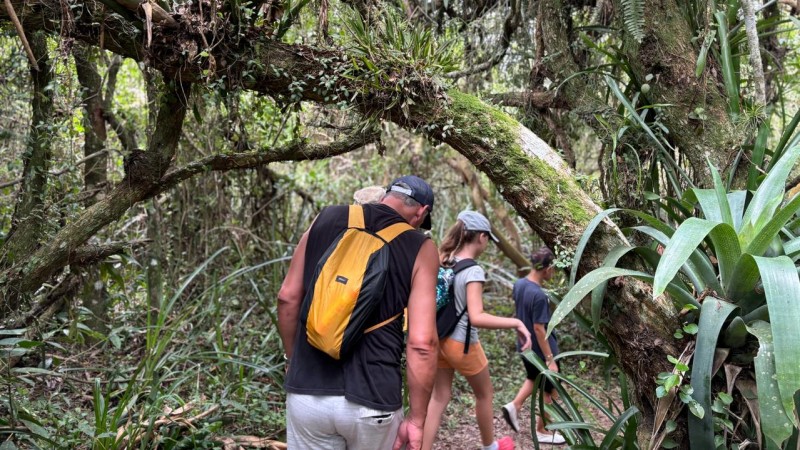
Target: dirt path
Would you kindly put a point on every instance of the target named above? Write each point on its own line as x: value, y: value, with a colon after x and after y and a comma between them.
x: 465, y: 436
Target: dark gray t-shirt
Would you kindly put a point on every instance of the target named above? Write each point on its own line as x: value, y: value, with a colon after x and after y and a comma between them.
x: 533, y: 306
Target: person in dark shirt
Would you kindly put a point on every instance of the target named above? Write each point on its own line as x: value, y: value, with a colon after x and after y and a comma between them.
x: 356, y: 402
x: 533, y: 309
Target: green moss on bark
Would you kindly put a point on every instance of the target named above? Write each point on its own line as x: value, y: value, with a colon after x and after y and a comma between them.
x: 511, y: 167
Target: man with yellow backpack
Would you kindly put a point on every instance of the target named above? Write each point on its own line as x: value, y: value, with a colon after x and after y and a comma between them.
x: 340, y: 316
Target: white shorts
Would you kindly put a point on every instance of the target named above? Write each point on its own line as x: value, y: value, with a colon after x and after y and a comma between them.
x: 333, y: 423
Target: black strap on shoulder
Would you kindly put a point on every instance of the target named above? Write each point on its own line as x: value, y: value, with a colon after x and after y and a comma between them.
x: 463, y: 264
x: 458, y: 267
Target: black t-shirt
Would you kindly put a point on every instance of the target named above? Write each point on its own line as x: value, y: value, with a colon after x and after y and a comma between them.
x: 370, y: 375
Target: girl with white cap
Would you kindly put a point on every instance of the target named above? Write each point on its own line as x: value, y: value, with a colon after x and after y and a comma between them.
x: 461, y: 351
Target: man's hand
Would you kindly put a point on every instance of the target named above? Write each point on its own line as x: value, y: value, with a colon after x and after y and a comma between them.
x: 409, y: 435
x: 552, y: 365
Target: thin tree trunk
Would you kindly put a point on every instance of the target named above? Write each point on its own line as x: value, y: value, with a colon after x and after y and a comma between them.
x: 755, y: 54
x: 94, y: 293
x: 155, y: 262
x: 28, y: 220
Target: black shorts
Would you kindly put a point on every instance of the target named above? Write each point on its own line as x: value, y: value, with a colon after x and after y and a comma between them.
x: 533, y: 372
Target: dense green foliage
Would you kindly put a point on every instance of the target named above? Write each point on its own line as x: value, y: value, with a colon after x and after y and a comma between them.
x: 733, y: 260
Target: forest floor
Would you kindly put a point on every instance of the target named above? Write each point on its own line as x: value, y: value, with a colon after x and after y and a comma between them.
x: 459, y: 428
x: 207, y: 382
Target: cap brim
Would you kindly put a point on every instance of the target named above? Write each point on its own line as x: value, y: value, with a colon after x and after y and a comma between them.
x: 494, y: 238
x: 426, y: 223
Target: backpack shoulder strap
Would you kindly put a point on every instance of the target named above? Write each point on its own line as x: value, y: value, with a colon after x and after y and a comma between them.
x: 458, y: 267
x: 385, y: 322
x: 355, y: 218
x: 464, y: 264
x: 392, y: 231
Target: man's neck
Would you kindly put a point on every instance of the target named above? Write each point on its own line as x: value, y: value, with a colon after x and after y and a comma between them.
x: 536, y: 277
x: 397, y: 206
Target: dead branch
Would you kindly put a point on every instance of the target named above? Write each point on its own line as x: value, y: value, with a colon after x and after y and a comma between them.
x: 156, y: 12
x: 21, y: 32
x: 527, y: 99
x: 240, y: 442
x: 174, y: 417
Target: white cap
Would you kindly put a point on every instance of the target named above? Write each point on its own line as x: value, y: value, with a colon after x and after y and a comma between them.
x: 475, y: 221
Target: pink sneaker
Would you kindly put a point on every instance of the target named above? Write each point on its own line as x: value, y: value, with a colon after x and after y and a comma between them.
x: 505, y: 443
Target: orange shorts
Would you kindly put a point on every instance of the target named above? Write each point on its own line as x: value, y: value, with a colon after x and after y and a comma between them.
x: 451, y: 356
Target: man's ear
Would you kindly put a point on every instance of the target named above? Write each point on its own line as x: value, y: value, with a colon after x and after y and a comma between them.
x: 419, y: 216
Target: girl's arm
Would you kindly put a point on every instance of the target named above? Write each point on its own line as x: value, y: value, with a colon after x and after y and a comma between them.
x: 481, y: 319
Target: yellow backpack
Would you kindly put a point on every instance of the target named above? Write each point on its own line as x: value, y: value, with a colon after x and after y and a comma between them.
x: 348, y: 284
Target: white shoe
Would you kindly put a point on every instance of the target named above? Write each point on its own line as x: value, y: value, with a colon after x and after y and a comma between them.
x: 510, y: 414
x: 550, y: 438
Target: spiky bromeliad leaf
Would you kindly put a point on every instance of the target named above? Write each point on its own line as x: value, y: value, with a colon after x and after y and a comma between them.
x: 782, y: 289
x: 710, y: 204
x: 633, y: 14
x: 743, y: 280
x: 728, y: 65
x: 721, y: 196
x: 585, y: 240
x: 713, y: 314
x: 774, y: 422
x: 768, y: 197
x: 685, y: 241
x: 587, y: 234
x: 600, y: 275
x: 762, y: 240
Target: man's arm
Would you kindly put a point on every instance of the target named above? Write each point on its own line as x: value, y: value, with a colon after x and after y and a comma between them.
x: 422, y: 341
x: 291, y: 296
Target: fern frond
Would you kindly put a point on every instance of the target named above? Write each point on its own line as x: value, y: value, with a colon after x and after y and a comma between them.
x: 633, y: 17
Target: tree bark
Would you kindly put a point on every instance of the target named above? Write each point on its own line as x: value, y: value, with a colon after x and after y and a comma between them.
x: 94, y: 293
x: 28, y: 220
x: 666, y: 53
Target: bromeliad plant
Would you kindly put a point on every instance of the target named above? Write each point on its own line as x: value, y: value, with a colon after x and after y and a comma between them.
x: 735, y: 263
